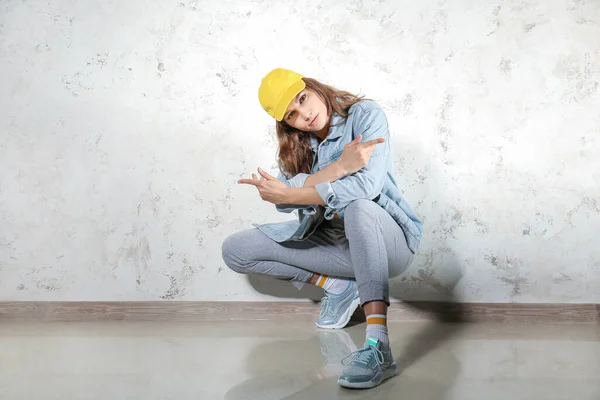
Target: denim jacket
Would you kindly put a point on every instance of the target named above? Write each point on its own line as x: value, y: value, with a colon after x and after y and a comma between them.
x: 375, y: 181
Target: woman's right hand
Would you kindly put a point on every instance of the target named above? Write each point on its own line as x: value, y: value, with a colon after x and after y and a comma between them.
x: 357, y: 155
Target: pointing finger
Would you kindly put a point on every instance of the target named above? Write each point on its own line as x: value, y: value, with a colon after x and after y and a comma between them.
x: 265, y: 175
x: 355, y: 141
x: 254, y: 182
x: 373, y: 142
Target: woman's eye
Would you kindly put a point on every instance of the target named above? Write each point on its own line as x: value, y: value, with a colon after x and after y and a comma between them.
x: 302, y: 98
x: 290, y: 115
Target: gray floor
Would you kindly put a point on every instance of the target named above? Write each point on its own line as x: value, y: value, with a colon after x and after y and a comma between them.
x: 265, y: 360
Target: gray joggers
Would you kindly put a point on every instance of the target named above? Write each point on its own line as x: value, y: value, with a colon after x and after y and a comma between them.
x: 367, y: 245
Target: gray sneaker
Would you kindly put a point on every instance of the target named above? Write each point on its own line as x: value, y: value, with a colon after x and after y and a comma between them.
x: 369, y: 366
x: 337, y: 309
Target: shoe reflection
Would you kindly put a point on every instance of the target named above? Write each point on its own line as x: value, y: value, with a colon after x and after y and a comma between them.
x: 334, y: 345
x: 285, y: 378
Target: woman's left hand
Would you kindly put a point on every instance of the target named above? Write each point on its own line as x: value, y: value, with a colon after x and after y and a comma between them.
x: 270, y: 188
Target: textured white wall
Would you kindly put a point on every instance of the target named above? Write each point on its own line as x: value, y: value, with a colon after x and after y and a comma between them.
x: 124, y: 126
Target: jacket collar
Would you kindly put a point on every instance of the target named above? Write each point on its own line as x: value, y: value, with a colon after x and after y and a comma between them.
x: 334, y: 131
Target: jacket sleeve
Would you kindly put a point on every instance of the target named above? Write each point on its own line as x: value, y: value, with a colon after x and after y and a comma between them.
x: 368, y: 182
x: 296, y: 181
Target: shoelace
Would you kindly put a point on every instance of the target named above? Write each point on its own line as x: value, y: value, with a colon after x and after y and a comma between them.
x: 324, y: 306
x: 362, y: 356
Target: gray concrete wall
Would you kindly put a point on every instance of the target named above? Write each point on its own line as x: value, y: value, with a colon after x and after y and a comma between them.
x: 124, y: 126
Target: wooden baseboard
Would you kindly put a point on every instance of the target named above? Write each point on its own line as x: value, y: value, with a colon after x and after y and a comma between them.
x: 290, y: 311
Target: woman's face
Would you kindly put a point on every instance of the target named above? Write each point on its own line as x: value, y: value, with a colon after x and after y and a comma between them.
x: 307, y: 112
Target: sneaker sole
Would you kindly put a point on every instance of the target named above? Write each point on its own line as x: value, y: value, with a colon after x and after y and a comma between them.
x: 345, y: 317
x: 376, y: 381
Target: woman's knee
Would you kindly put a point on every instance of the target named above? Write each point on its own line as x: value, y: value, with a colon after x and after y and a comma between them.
x: 232, y: 252
x: 360, y: 210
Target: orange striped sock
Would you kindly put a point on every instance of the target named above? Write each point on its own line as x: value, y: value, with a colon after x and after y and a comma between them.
x: 321, y: 280
x: 378, y: 319
x: 333, y: 285
x: 377, y: 328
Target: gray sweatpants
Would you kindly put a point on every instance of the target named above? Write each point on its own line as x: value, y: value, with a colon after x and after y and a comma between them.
x: 367, y: 245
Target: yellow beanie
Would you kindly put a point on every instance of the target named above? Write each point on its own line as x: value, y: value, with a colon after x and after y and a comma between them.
x: 277, y: 89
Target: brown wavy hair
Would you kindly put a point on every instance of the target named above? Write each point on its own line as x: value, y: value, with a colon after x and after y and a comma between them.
x: 295, y: 153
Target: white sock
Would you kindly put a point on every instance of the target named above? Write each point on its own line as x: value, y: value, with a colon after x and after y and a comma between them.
x: 377, y: 328
x: 333, y: 285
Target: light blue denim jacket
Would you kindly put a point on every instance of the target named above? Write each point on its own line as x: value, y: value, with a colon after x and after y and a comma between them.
x: 375, y: 181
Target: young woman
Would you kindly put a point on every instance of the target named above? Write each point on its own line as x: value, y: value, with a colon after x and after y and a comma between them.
x: 354, y: 230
